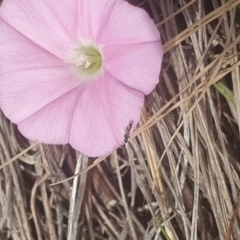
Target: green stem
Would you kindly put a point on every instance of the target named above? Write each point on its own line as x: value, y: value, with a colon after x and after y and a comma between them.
x: 161, y: 227
x: 225, y: 92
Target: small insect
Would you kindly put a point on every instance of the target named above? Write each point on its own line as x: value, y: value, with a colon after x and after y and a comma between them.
x: 127, y: 131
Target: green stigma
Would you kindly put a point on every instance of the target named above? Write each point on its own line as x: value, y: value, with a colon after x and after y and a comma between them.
x: 88, y: 61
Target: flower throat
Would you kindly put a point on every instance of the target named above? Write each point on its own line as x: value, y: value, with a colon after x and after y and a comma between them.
x: 89, y: 61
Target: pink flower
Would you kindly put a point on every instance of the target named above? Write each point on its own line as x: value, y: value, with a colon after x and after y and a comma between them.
x: 76, y: 71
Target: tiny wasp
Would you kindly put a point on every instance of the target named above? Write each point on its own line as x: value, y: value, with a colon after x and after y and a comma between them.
x: 127, y: 131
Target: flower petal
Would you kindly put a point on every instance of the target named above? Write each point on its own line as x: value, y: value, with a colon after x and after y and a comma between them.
x: 50, y: 24
x: 52, y: 123
x: 23, y: 94
x: 136, y: 65
x: 19, y: 53
x: 92, y: 17
x: 127, y: 24
x: 30, y: 77
x: 103, y: 111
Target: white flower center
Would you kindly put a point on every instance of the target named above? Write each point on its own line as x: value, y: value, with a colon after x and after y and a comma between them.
x: 87, y: 62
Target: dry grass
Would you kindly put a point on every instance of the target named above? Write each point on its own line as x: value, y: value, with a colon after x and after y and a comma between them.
x: 177, y: 178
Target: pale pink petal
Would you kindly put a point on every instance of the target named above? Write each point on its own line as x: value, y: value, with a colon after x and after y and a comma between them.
x: 50, y: 24
x: 24, y: 93
x: 136, y: 65
x: 92, y: 17
x: 38, y: 90
x: 126, y: 24
x: 104, y: 110
x: 19, y: 53
x: 30, y: 77
x: 52, y: 123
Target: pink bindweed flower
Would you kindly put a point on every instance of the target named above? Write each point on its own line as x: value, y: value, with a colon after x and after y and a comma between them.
x: 76, y: 71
